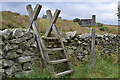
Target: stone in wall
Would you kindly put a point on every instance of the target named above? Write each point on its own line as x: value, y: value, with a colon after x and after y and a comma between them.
x: 18, y: 48
x: 24, y: 59
x: 81, y: 44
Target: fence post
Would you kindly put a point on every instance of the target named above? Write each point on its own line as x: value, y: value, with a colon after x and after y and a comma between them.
x: 93, y: 43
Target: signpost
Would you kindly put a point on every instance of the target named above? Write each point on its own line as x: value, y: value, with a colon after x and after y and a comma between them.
x: 93, y: 42
x: 85, y: 22
x: 90, y: 23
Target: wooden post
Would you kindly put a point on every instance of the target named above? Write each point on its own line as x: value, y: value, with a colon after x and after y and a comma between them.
x: 35, y: 26
x: 52, y: 21
x: 93, y: 43
x: 49, y: 15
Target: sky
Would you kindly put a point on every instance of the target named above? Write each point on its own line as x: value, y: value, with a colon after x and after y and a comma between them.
x: 105, y: 11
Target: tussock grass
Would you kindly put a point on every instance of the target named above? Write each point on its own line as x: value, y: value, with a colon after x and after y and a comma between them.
x: 104, y: 68
x: 13, y: 20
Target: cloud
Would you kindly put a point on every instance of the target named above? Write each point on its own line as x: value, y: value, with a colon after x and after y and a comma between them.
x: 59, y: 0
x: 105, y: 11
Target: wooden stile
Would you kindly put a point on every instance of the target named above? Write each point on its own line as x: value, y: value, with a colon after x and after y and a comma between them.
x: 52, y: 19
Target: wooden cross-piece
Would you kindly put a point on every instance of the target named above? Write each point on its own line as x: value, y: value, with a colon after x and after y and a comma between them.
x: 33, y: 17
x: 52, y: 20
x: 33, y: 14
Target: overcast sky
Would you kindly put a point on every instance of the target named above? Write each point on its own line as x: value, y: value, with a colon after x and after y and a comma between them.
x: 104, y: 11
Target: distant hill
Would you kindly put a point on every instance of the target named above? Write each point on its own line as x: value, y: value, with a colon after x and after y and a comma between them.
x: 14, y: 20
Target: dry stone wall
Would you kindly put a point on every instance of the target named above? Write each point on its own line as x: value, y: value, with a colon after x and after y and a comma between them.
x: 18, y: 51
x: 80, y: 45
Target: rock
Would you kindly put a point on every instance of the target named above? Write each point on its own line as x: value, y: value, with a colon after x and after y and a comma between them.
x: 106, y: 38
x: 17, y: 33
x: 24, y: 59
x: 1, y: 51
x: 8, y: 47
x: 79, y: 36
x: 84, y: 36
x: 23, y: 38
x: 1, y: 33
x: 1, y: 56
x: 15, y: 41
x: 73, y: 33
x: 64, y: 40
x: 71, y: 51
x: 31, y: 40
x: 79, y: 42
x: 70, y: 34
x: 29, y: 33
x: 1, y: 41
x: 19, y: 51
x: 79, y: 57
x: 34, y: 44
x: 8, y: 63
x: 29, y: 30
x: 73, y: 47
x: 85, y: 44
x: 11, y: 55
x: 26, y: 66
x: 19, y: 67
x: 27, y: 72
x: 79, y: 54
x: 14, y: 46
x: 6, y: 33
x: 98, y: 35
x: 27, y: 44
x: 85, y: 52
x: 18, y: 74
x: 11, y: 70
x: 2, y: 70
x: 2, y: 74
x: 21, y: 46
x: 28, y: 53
x: 1, y: 62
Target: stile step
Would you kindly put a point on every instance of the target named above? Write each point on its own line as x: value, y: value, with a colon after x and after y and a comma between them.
x: 54, y: 49
x: 58, y: 61
x: 50, y: 38
x: 64, y: 73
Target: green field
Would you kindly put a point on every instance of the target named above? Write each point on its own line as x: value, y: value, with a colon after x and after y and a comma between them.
x: 104, y: 68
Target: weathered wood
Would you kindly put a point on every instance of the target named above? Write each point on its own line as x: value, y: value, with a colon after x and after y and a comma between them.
x: 93, y: 43
x: 33, y: 22
x: 34, y: 14
x: 50, y: 38
x: 64, y: 73
x: 85, y: 22
x: 54, y: 28
x: 54, y: 49
x: 39, y: 40
x: 53, y: 20
x: 34, y: 26
x: 58, y: 61
x: 49, y: 15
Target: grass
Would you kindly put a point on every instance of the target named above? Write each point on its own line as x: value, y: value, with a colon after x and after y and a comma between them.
x: 13, y: 20
x: 104, y: 68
